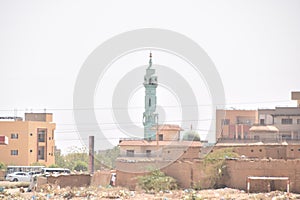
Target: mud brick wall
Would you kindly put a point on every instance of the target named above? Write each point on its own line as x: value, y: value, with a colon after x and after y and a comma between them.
x: 239, y: 170
x: 101, y: 178
x: 73, y: 180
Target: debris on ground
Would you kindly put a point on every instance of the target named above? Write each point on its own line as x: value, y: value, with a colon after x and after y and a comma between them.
x: 92, y: 193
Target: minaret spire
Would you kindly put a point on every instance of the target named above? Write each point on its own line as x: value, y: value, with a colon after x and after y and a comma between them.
x: 150, y: 60
x: 150, y: 115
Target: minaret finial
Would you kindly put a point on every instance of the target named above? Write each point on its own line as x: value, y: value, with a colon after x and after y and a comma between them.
x: 150, y: 61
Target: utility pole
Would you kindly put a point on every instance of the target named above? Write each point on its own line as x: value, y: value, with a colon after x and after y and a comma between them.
x: 91, y: 154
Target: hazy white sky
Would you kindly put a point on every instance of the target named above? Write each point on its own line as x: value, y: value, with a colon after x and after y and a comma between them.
x: 255, y: 46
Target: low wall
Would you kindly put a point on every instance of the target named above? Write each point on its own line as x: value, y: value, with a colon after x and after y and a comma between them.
x: 239, y: 170
x: 73, y: 180
x: 101, y: 178
x: 189, y: 173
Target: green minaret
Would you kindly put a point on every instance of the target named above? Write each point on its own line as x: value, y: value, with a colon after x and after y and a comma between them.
x: 149, y: 116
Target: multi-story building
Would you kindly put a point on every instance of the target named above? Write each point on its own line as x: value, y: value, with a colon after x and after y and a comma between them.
x: 234, y: 124
x: 29, y: 141
x: 286, y: 119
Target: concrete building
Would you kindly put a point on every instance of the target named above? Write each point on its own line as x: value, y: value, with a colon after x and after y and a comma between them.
x: 167, y: 146
x: 286, y: 119
x: 234, y: 124
x: 30, y: 141
x: 264, y: 133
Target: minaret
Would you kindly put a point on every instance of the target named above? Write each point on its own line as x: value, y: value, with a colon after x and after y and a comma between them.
x: 149, y: 116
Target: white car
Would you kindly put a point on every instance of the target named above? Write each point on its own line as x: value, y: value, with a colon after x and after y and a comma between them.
x: 18, y: 176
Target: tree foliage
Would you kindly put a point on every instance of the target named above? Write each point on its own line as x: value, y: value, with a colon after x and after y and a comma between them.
x: 157, y: 181
x: 106, y: 158
x: 78, y: 159
x: 214, y: 165
x: 81, y: 166
x: 2, y: 165
x: 191, y: 136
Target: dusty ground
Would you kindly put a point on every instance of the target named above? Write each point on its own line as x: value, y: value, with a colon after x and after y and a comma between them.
x: 53, y: 192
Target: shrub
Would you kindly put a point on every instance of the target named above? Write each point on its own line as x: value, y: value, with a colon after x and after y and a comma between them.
x: 214, y: 165
x: 157, y: 181
x: 2, y: 166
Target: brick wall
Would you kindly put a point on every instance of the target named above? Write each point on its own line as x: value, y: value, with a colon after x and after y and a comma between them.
x: 189, y: 172
x: 239, y: 170
x: 78, y: 180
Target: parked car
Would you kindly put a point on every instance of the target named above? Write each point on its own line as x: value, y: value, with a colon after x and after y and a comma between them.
x: 18, y: 176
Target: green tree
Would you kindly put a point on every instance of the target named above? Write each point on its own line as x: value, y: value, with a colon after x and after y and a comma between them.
x: 53, y: 166
x: 191, y: 136
x: 81, y: 166
x: 71, y: 159
x: 106, y: 158
x: 37, y: 164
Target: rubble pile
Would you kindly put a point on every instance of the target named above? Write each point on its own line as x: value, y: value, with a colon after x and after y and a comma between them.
x: 93, y: 193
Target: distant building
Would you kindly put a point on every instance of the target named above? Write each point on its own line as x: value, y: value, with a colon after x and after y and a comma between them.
x: 286, y: 119
x: 167, y: 146
x: 264, y: 133
x: 30, y: 141
x: 161, y: 142
x: 234, y: 124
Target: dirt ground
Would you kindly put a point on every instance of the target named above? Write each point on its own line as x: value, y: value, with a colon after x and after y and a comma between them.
x: 93, y: 193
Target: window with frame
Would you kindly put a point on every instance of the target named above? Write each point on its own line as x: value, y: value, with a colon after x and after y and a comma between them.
x: 287, y: 121
x: 225, y: 122
x: 148, y: 153
x: 41, y: 135
x: 14, y: 136
x: 160, y: 137
x: 298, y: 121
x: 14, y: 152
x: 130, y: 153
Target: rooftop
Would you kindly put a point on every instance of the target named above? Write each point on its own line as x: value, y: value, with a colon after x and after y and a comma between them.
x: 262, y: 128
x: 159, y: 143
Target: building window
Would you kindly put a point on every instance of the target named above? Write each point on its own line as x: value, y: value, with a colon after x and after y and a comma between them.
x: 292, y: 149
x: 14, y: 136
x: 150, y: 102
x: 260, y: 150
x: 41, y: 153
x: 30, y: 134
x: 262, y: 121
x: 256, y: 137
x: 225, y: 122
x: 14, y: 152
x: 130, y: 153
x: 41, y: 135
x: 160, y: 137
x: 148, y: 153
x: 298, y: 121
x: 286, y: 121
x: 251, y: 150
x: 30, y: 150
